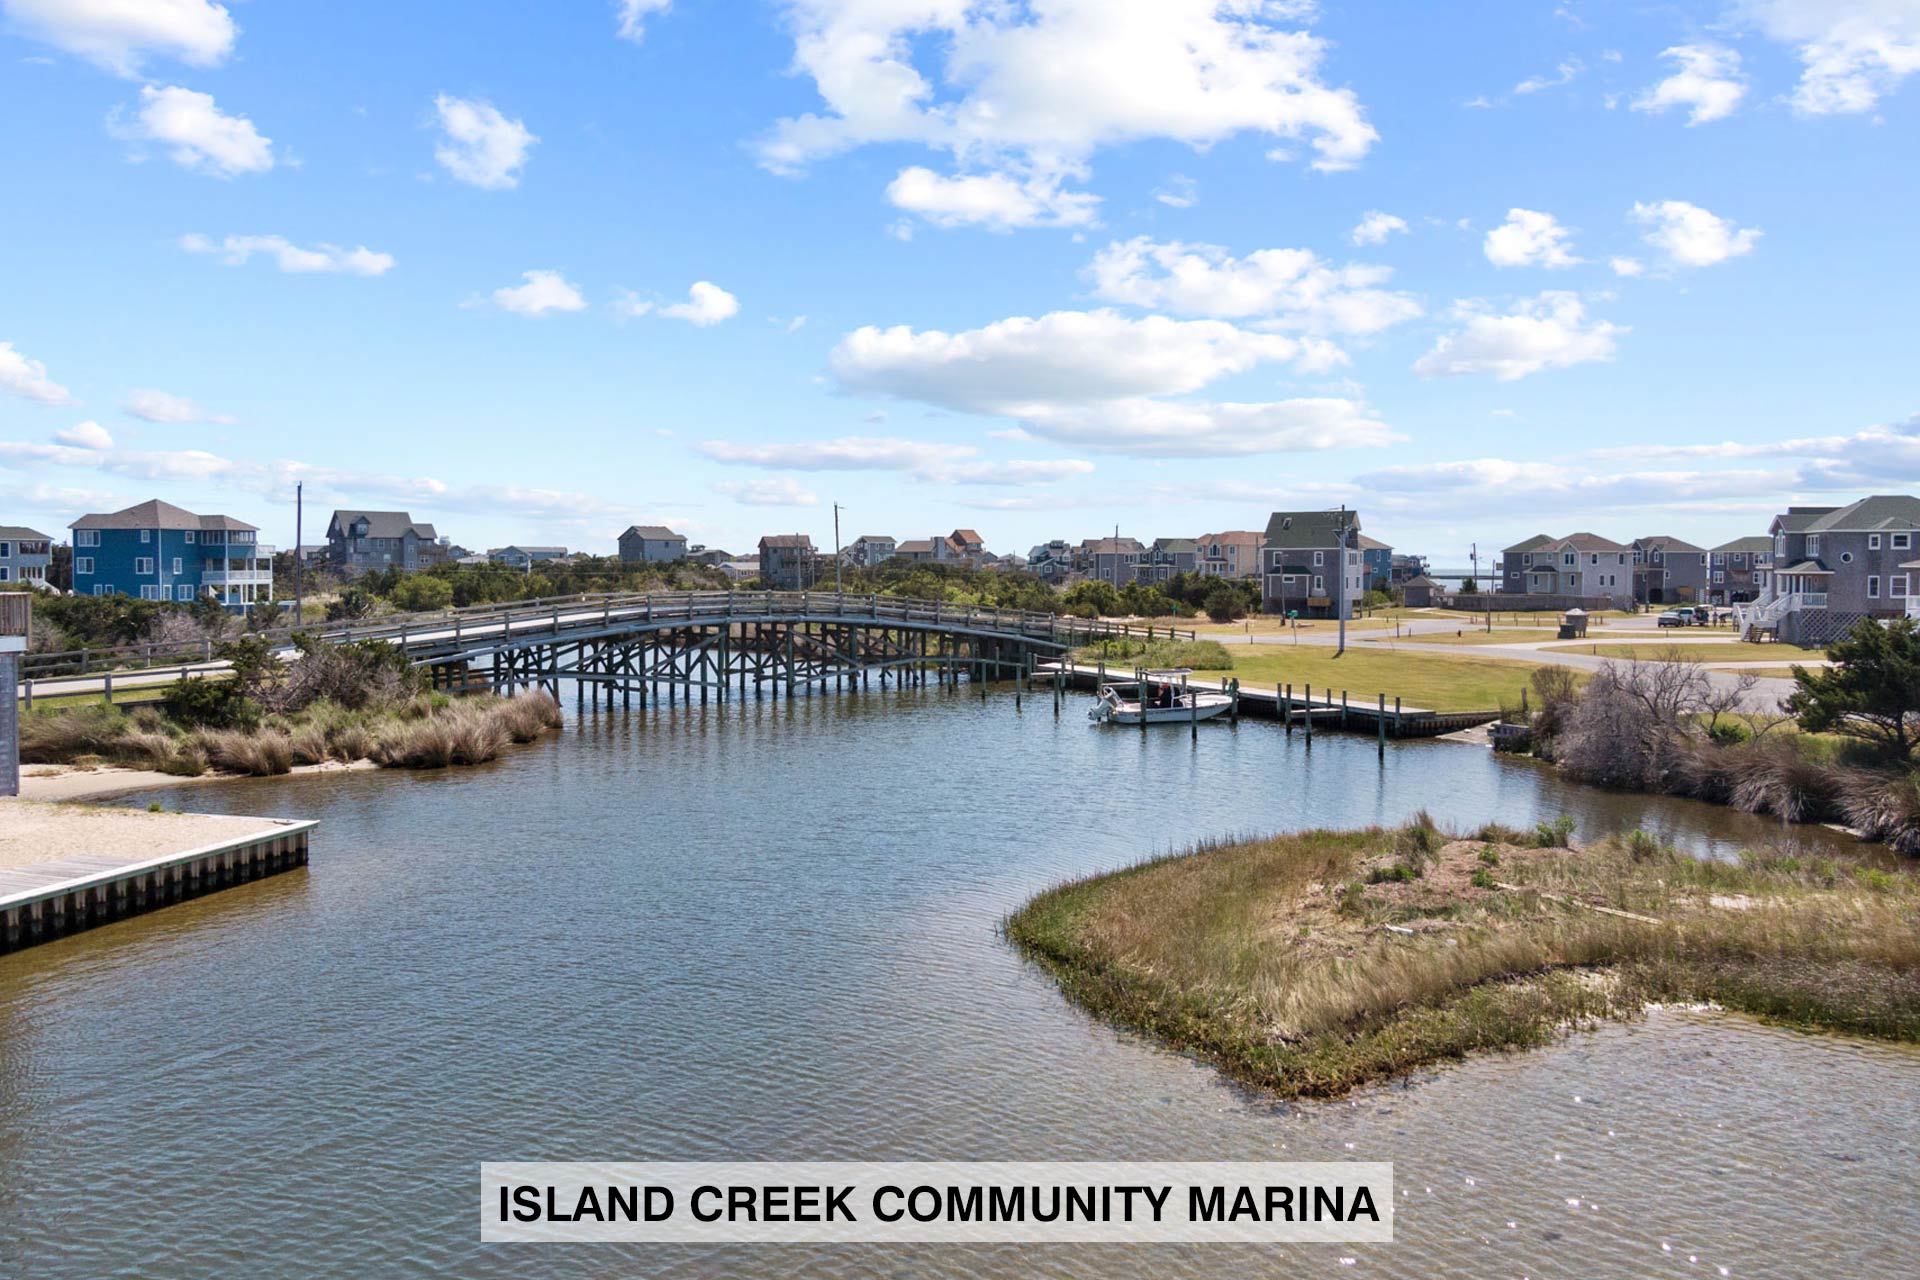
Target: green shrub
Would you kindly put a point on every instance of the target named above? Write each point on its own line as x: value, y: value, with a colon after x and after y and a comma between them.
x: 1490, y: 856
x: 195, y: 702
x: 1483, y: 879
x: 1556, y: 834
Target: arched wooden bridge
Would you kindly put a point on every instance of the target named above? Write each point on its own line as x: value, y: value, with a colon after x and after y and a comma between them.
x: 714, y: 643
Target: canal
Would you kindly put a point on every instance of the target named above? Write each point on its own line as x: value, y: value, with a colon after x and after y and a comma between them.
x: 767, y: 931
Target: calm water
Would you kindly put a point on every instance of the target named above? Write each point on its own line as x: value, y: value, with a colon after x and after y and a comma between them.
x: 768, y: 933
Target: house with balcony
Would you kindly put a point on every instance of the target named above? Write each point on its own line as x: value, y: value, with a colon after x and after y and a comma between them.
x: 1167, y: 557
x: 1402, y: 569
x: 1112, y: 560
x: 1667, y: 570
x: 788, y: 561
x: 25, y: 555
x: 1833, y: 566
x: 651, y: 544
x: 158, y: 551
x: 1737, y: 571
x: 367, y: 541
x: 1051, y: 561
x: 1580, y: 569
x: 1234, y: 553
x: 1376, y: 558
x: 871, y: 550
x: 1313, y: 564
x: 526, y: 558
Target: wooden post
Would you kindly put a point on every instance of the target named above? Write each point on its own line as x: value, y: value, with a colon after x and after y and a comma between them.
x: 1343, y: 708
x: 1382, y: 726
x: 1309, y: 715
x: 1286, y: 705
x: 1193, y: 716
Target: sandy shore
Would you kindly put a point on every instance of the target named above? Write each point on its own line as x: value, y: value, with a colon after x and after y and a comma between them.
x: 65, y: 782
x: 33, y: 832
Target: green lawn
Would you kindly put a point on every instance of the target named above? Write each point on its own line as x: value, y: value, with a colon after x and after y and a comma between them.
x: 1723, y: 651
x: 121, y: 698
x: 1501, y: 634
x: 1434, y: 681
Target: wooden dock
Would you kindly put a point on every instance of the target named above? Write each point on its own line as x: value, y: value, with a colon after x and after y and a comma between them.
x: 1303, y: 705
x: 68, y: 867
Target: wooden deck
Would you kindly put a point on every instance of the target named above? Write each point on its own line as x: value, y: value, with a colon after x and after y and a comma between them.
x: 66, y: 867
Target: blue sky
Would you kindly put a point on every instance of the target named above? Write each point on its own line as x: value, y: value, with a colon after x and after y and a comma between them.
x: 536, y: 272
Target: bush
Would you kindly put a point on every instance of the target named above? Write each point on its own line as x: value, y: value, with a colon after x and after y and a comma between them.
x: 1557, y: 834
x: 422, y: 593
x: 263, y: 753
x: 196, y: 702
x: 1644, y: 846
x: 58, y: 736
x: 1398, y: 873
x: 1224, y: 604
x: 1483, y: 879
x: 1490, y: 856
x: 1783, y: 779
x: 1885, y: 808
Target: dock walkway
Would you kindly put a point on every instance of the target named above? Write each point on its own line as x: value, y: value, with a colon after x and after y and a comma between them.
x: 67, y: 867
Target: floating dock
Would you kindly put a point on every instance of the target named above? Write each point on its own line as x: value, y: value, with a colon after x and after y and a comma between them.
x: 1304, y: 705
x: 68, y: 867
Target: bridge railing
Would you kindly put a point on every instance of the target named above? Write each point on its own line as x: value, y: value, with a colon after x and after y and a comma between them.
x: 575, y: 611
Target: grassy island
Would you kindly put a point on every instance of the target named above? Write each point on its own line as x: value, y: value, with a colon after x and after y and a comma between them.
x: 1311, y: 964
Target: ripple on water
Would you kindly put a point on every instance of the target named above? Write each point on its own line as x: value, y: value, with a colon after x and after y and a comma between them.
x: 769, y: 932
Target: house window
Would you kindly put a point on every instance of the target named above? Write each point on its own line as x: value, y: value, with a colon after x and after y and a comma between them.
x: 143, y: 566
x: 83, y: 564
x: 86, y: 537
x: 1719, y: 575
x: 153, y: 593
x: 1570, y: 559
x: 1319, y: 584
x: 1319, y: 558
x: 1813, y: 544
x: 103, y: 588
x: 176, y: 564
x: 1901, y: 541
x: 146, y: 535
x: 192, y: 534
x: 6, y: 574
x: 1897, y: 586
x: 1873, y: 587
x: 183, y: 592
x: 1846, y: 557
x: 1873, y: 542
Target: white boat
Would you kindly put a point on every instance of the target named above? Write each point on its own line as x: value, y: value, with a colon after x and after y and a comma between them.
x: 1157, y: 697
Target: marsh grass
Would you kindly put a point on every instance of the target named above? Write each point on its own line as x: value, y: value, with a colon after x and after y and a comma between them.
x: 426, y: 731
x: 1273, y: 958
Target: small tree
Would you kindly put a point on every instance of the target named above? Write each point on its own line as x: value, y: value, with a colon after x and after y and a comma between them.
x: 1872, y: 690
x: 421, y: 593
x: 1225, y: 604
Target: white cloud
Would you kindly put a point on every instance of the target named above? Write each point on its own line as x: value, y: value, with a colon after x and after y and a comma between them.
x: 1563, y: 74
x: 1879, y: 458
x: 927, y: 460
x: 1375, y: 227
x: 330, y: 259
x: 631, y: 17
x: 160, y: 406
x: 1623, y: 266
x: 121, y: 34
x: 1181, y: 192
x: 1851, y: 51
x: 1030, y: 92
x: 1294, y: 286
x: 200, y: 135
x: 1551, y: 331
x: 28, y: 378
x: 1692, y: 237
x: 1552, y: 489
x: 543, y: 291
x: 1102, y: 380
x: 996, y: 201
x: 707, y: 304
x: 85, y: 435
x: 480, y: 146
x: 1707, y: 81
x: 781, y: 492
x: 1529, y: 239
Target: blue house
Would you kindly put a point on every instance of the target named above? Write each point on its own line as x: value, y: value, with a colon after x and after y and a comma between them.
x: 160, y: 552
x: 1377, y: 556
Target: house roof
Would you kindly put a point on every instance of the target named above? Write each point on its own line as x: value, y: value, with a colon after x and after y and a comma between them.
x: 20, y: 533
x: 1808, y: 566
x: 967, y: 535
x: 1665, y: 542
x: 1755, y: 545
x: 915, y: 547
x: 532, y: 551
x: 1178, y: 546
x: 873, y: 537
x: 654, y: 533
x: 1591, y: 542
x: 1309, y: 528
x: 1374, y: 544
x: 1534, y: 543
x: 1796, y: 519
x: 1232, y: 535
x: 1422, y: 581
x: 155, y: 514
x: 381, y: 524
x: 1114, y: 546
x: 1870, y: 515
x: 778, y: 540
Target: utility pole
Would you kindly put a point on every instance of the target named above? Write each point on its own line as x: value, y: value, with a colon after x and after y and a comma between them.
x: 299, y: 582
x: 836, y: 549
x: 1340, y: 592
